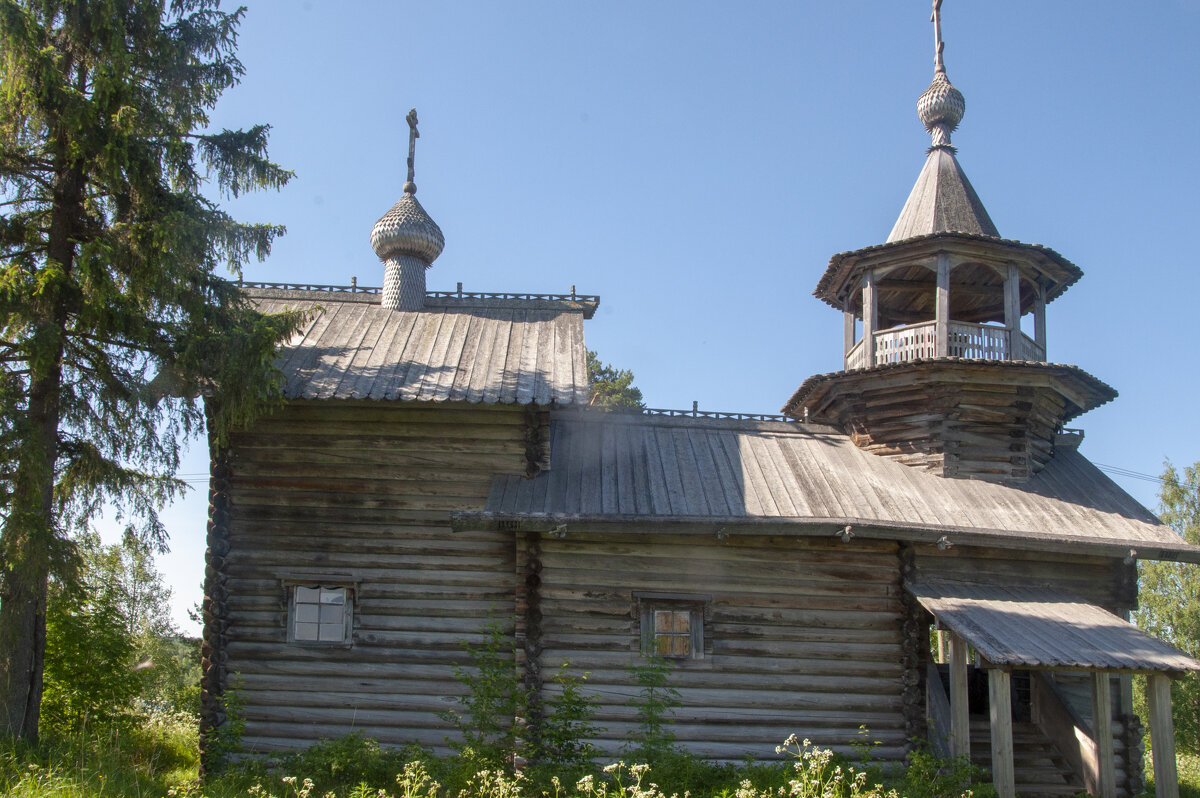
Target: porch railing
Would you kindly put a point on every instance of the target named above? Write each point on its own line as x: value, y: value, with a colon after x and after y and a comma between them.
x: 966, y: 340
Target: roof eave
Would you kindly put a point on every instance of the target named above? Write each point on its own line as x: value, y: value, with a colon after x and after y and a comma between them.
x: 845, y: 267
x: 864, y: 528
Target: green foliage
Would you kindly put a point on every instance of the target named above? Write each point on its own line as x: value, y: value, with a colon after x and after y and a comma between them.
x: 484, y: 720
x: 1169, y: 599
x: 90, y: 658
x: 113, y: 315
x: 652, y: 741
x: 929, y: 776
x: 225, y: 738
x: 562, y: 736
x: 111, y: 651
x: 611, y: 387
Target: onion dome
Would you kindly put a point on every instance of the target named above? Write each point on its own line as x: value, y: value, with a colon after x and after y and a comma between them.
x: 940, y: 108
x: 407, y: 230
x: 406, y: 240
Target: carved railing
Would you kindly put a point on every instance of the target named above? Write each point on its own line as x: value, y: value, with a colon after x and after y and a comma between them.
x: 965, y: 340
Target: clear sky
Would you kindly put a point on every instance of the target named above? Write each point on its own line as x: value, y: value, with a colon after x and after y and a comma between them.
x: 696, y: 164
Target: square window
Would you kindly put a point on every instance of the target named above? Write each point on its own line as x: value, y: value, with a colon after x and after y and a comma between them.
x: 672, y: 625
x: 320, y: 614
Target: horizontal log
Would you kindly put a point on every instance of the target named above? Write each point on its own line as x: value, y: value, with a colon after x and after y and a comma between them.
x: 319, y: 411
x: 431, y: 576
x: 266, y: 589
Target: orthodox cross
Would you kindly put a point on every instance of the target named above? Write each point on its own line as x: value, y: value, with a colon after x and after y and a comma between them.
x: 413, y: 135
x: 938, y: 64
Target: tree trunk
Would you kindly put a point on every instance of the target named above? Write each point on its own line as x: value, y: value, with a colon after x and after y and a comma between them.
x: 29, y: 534
x: 28, y: 539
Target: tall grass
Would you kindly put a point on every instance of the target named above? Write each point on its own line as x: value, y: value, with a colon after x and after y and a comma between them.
x: 159, y: 759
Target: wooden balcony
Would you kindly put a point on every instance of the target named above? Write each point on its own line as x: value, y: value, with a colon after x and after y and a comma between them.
x: 964, y: 340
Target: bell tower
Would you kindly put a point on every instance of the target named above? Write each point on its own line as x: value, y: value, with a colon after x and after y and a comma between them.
x: 938, y: 371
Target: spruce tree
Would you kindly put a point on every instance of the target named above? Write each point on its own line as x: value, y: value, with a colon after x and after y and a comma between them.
x: 115, y: 314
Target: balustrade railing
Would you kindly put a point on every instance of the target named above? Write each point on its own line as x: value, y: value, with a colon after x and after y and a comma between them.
x: 965, y: 340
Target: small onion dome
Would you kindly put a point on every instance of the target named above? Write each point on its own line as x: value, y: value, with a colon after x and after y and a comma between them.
x: 407, y: 230
x: 941, y: 108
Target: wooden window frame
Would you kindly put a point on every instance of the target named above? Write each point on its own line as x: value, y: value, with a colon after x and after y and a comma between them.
x: 699, y: 609
x: 350, y: 588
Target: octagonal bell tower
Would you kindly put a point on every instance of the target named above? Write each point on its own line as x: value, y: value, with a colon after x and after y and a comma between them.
x: 938, y: 372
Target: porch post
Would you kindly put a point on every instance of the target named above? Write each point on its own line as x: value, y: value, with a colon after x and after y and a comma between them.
x: 847, y: 333
x: 1102, y: 727
x: 960, y: 718
x: 941, y: 332
x: 1039, y: 321
x: 1012, y: 309
x: 1162, y: 735
x: 870, y: 319
x: 1000, y: 700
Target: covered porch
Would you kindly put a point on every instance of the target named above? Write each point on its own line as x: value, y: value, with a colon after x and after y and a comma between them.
x: 1044, y: 632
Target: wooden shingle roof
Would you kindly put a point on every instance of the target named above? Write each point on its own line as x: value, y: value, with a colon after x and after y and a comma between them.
x: 491, y: 350
x: 942, y: 201
x: 811, y: 479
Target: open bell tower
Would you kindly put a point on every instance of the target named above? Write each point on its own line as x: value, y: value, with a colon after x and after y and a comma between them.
x: 940, y: 370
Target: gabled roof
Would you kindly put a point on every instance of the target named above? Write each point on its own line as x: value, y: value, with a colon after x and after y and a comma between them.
x: 791, y: 478
x: 484, y: 349
x: 942, y: 201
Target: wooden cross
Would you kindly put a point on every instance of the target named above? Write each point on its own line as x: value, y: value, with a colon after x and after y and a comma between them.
x: 936, y: 19
x: 413, y: 135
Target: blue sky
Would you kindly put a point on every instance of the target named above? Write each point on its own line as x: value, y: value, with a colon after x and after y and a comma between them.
x: 696, y: 164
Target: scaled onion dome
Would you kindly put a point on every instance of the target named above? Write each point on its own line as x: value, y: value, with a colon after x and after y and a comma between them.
x: 941, y: 108
x: 407, y: 231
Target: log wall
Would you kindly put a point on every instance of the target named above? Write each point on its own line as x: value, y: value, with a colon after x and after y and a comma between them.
x: 802, y: 636
x: 1104, y: 581
x: 362, y: 493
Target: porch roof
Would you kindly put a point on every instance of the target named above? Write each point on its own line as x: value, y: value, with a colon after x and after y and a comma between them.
x: 1045, y: 628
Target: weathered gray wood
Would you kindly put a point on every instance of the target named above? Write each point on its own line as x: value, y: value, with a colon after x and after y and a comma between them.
x: 848, y: 323
x: 1103, y: 735
x: 1162, y: 736
x: 938, y: 712
x: 960, y: 718
x: 870, y: 317
x: 1056, y: 718
x: 1039, y: 318
x: 1000, y: 702
x: 942, y: 313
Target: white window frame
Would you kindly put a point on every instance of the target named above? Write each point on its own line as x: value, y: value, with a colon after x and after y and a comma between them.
x: 302, y: 610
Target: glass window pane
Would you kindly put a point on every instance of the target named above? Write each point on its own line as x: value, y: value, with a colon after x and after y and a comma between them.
x: 662, y: 646
x: 682, y: 622
x: 333, y: 632
x: 307, y: 613
x: 333, y: 595
x: 681, y: 646
x: 332, y: 614
x: 310, y: 595
x: 307, y: 631
x: 662, y: 621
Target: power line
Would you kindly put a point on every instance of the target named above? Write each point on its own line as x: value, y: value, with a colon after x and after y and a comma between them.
x: 1125, y: 472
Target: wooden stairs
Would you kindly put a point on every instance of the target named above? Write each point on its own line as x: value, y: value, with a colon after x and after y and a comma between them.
x: 1041, y: 771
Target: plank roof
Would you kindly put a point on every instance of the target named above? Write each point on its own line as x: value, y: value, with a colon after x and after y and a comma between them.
x: 628, y: 468
x: 490, y: 350
x: 1044, y: 627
